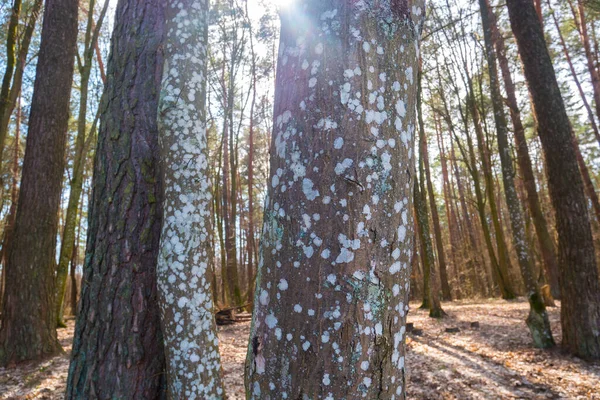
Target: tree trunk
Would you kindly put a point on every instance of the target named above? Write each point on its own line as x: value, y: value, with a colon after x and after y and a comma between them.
x: 118, y: 346
x: 14, y: 196
x: 545, y: 241
x: 28, y: 318
x: 76, y: 185
x: 503, y: 264
x: 189, y: 329
x: 11, y: 62
x: 538, y: 322
x: 251, y: 245
x: 8, y: 98
x: 332, y: 284
x: 580, y: 286
x: 450, y: 213
x: 435, y: 218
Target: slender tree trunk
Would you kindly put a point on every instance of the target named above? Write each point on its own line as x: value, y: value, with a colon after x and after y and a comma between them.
x: 332, y: 284
x: 588, y: 184
x: 8, y: 99
x: 450, y: 212
x: 437, y: 230
x: 580, y: 286
x: 545, y: 241
x: 14, y: 196
x: 189, y: 329
x: 28, y: 319
x: 582, y: 93
x: 431, y: 297
x: 12, y: 35
x: 76, y: 185
x: 118, y: 346
x: 504, y: 264
x: 538, y: 322
x: 589, y: 56
x: 75, y: 260
x: 250, y: 271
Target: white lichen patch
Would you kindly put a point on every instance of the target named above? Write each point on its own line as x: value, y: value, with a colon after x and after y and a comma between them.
x: 194, y: 368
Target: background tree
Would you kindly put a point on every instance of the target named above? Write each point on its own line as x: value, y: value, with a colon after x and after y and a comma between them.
x: 28, y: 331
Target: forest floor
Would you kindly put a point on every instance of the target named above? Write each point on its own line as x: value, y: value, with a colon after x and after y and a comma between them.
x: 492, y: 361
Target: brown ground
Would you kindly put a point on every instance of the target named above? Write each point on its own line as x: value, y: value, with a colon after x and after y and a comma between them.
x: 494, y: 361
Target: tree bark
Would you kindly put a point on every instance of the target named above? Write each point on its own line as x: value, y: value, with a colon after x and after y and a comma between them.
x: 332, y: 284
x: 118, y: 346
x: 28, y: 318
x: 190, y: 336
x: 580, y: 286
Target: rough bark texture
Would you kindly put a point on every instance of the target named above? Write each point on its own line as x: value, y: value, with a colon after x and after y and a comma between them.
x: 332, y: 284
x: 118, y: 347
x: 28, y: 318
x: 580, y: 311
x: 184, y: 281
x: 538, y: 322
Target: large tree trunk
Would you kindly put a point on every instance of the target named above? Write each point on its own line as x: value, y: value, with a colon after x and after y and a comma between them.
x: 538, y: 322
x: 191, y: 343
x: 118, y: 347
x: 332, y: 285
x: 28, y: 319
x: 580, y: 286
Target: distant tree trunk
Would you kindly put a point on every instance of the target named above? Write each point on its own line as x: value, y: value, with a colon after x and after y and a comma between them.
x: 14, y: 196
x: 333, y: 277
x: 431, y: 297
x: 538, y: 322
x: 28, y: 319
x: 118, y: 346
x: 8, y: 98
x: 582, y: 94
x: 588, y: 184
x: 75, y: 259
x: 12, y: 35
x: 230, y: 275
x: 473, y: 251
x: 503, y: 265
x: 251, y: 245
x: 580, y: 286
x: 189, y: 329
x: 81, y: 150
x: 437, y: 230
x: 589, y: 55
x: 450, y: 213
